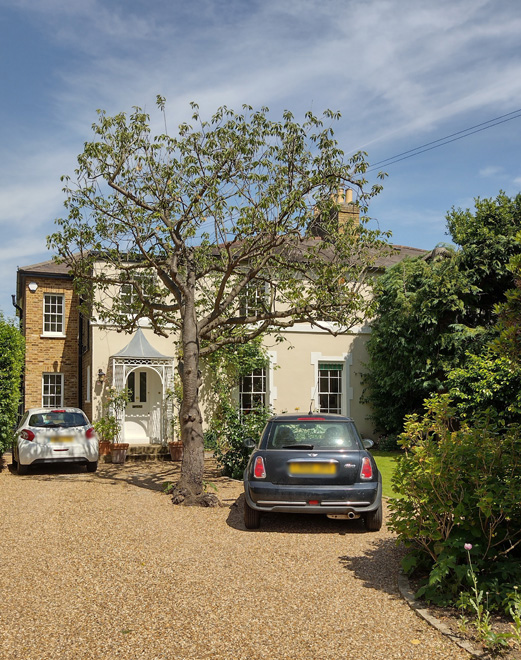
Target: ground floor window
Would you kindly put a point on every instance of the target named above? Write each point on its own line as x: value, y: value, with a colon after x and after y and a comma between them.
x: 253, y: 391
x: 52, y: 390
x: 330, y: 376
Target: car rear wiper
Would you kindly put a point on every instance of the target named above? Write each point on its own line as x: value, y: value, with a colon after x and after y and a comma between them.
x: 298, y: 446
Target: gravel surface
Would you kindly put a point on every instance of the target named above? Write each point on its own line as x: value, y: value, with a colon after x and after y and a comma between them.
x: 104, y: 566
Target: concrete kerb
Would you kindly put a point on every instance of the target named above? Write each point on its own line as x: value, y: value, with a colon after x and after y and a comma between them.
x: 408, y: 595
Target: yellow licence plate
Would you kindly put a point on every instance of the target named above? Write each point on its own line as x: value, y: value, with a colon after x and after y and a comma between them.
x: 60, y: 438
x: 312, y: 468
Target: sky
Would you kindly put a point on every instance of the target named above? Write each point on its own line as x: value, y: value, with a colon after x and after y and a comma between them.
x: 402, y: 73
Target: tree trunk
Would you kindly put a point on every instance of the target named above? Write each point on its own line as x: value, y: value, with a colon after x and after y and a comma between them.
x: 190, y: 488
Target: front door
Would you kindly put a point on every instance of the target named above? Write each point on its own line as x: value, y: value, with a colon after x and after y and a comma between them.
x: 141, y: 425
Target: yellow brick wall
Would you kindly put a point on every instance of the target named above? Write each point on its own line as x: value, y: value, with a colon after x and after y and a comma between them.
x: 50, y: 354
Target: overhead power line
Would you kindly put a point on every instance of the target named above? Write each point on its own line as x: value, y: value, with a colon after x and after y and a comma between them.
x: 459, y: 135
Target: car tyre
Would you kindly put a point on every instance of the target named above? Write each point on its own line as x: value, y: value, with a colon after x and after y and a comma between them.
x: 92, y: 466
x: 373, y: 520
x: 21, y: 469
x: 251, y: 517
x: 14, y: 462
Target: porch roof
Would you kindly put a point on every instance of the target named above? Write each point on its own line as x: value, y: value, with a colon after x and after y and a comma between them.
x: 140, y: 348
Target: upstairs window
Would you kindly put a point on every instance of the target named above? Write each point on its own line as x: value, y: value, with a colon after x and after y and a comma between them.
x: 129, y: 297
x: 253, y: 299
x: 53, y: 314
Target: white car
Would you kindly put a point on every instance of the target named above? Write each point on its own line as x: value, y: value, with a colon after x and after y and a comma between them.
x: 63, y: 435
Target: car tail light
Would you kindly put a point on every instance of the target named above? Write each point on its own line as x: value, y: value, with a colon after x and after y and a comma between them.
x: 367, y: 468
x: 313, y: 502
x: 91, y: 433
x: 259, y: 471
x: 57, y: 411
x: 26, y: 434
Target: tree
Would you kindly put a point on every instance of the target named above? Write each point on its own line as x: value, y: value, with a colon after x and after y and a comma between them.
x: 418, y: 334
x: 12, y: 348
x: 487, y: 240
x: 434, y: 315
x: 193, y: 222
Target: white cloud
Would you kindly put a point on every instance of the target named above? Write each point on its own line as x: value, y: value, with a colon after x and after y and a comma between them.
x: 491, y: 171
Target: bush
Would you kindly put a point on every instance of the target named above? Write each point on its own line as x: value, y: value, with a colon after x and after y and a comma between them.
x: 457, y: 485
x: 233, y: 429
x: 387, y: 443
x: 11, y: 365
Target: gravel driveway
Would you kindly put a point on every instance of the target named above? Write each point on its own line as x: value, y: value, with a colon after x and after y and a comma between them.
x: 104, y: 566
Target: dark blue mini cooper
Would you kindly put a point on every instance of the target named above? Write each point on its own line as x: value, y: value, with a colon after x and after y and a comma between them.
x: 314, y: 463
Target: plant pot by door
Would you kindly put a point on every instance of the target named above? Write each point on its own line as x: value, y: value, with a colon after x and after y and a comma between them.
x: 119, y: 452
x: 104, y: 447
x: 176, y: 450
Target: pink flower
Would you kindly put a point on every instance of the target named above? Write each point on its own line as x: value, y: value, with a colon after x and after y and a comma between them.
x: 468, y: 546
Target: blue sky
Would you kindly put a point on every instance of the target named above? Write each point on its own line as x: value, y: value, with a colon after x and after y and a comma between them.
x: 401, y: 72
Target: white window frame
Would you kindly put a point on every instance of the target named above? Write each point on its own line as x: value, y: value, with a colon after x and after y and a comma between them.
x: 254, y: 298
x: 347, y: 392
x: 55, y: 404
x: 127, y: 291
x: 60, y: 318
x: 264, y: 392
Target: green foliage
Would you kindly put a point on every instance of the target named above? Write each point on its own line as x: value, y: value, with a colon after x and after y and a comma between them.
x: 233, y: 428
x: 487, y: 382
x: 12, y: 351
x: 487, y: 238
x: 459, y: 484
x: 388, y: 443
x: 108, y: 427
x: 417, y: 336
x: 228, y: 427
x: 433, y: 315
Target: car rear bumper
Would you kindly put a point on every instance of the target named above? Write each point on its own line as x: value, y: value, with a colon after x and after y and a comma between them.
x: 32, y: 453
x: 361, y: 498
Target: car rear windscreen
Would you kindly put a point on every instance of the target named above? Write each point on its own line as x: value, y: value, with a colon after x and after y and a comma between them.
x: 54, y: 419
x: 316, y: 434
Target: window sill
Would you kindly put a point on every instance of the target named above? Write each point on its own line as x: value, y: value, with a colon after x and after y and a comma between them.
x: 53, y: 336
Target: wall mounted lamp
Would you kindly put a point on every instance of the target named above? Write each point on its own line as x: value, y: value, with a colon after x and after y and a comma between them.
x: 32, y: 287
x: 101, y: 376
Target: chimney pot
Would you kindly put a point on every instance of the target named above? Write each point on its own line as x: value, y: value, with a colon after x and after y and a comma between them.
x: 349, y: 196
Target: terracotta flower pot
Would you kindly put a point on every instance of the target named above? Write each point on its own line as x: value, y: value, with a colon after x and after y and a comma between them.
x: 104, y: 447
x: 119, y: 452
x: 176, y: 450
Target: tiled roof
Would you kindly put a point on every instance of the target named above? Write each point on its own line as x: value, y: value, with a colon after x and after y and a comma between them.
x: 398, y: 253
x: 45, y: 268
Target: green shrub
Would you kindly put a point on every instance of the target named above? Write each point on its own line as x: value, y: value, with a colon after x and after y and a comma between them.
x: 457, y: 485
x: 11, y: 364
x: 387, y: 443
x: 232, y: 430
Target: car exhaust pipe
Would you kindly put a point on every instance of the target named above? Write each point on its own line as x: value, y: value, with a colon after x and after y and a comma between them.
x: 350, y: 515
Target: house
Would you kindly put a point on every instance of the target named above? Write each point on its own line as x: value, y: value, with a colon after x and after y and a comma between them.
x: 72, y: 360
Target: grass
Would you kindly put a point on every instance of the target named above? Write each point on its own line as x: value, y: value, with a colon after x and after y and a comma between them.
x: 386, y: 461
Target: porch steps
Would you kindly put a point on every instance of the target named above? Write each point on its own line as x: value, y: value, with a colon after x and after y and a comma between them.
x: 143, y: 453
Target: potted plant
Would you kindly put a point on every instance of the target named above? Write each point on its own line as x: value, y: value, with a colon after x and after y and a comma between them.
x: 109, y: 428
x: 176, y: 450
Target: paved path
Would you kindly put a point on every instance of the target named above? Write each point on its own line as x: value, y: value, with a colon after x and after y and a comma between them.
x: 103, y: 566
